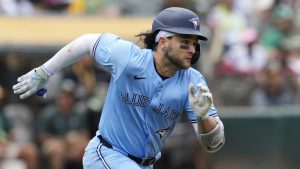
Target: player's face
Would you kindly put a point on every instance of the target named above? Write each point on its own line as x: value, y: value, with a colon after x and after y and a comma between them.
x: 180, y: 50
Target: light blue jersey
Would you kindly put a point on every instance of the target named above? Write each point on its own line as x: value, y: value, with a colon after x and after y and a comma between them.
x: 141, y: 109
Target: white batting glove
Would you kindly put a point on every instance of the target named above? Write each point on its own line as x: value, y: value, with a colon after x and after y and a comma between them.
x: 34, y: 81
x: 201, y: 101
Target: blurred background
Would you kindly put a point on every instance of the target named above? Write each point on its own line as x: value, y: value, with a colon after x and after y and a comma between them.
x: 251, y: 63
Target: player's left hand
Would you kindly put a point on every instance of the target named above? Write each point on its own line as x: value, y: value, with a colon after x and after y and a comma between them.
x: 32, y: 82
x: 201, y: 101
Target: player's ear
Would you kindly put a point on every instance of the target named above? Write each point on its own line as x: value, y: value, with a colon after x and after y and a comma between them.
x: 163, y: 43
x: 162, y: 40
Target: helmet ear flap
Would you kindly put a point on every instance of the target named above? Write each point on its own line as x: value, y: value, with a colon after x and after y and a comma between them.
x: 197, y: 54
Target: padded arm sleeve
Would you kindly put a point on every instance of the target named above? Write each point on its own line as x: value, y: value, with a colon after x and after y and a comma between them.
x: 214, y: 140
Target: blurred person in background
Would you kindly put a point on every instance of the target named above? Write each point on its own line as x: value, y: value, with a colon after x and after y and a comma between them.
x: 90, y: 89
x: 17, y: 8
x: 273, y: 88
x: 104, y: 8
x: 226, y: 23
x: 54, y: 6
x: 262, y: 14
x: 244, y: 54
x: 232, y: 52
x: 15, y: 153
x: 292, y: 61
x: 62, y: 130
x: 281, y: 26
x: 292, y: 46
x: 12, y: 63
x: 86, y: 74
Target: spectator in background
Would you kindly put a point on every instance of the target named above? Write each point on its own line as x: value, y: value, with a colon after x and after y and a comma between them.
x: 16, y: 7
x: 292, y: 61
x: 292, y: 45
x: 226, y: 24
x: 94, y: 105
x: 273, y: 88
x: 12, y: 64
x: 244, y: 55
x: 62, y: 131
x: 86, y: 75
x: 262, y: 14
x: 91, y: 85
x: 105, y: 8
x: 281, y: 26
x: 56, y: 6
x: 15, y: 151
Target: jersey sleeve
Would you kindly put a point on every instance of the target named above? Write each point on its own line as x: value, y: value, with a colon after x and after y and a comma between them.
x: 196, y: 78
x: 113, y: 53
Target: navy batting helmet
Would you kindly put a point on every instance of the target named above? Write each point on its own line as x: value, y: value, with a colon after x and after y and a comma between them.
x: 178, y: 20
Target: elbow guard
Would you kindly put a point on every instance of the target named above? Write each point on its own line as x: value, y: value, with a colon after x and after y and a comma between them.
x: 214, y: 140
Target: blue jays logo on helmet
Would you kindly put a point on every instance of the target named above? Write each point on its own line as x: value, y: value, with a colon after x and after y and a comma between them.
x: 196, y: 23
x: 178, y: 20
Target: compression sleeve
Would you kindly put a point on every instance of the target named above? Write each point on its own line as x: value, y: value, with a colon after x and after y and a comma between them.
x: 71, y: 53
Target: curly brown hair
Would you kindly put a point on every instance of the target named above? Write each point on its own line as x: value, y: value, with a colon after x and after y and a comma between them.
x: 148, y: 38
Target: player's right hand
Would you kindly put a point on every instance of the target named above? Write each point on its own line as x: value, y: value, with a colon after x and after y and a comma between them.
x: 30, y: 83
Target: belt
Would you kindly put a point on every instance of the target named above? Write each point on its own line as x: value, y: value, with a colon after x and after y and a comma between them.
x: 145, y: 162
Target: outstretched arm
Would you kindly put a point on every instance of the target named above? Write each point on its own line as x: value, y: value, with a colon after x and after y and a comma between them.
x: 37, y: 79
x: 71, y: 53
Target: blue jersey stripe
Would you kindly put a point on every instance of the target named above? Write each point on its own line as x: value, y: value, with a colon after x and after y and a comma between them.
x: 101, y: 157
x: 95, y: 46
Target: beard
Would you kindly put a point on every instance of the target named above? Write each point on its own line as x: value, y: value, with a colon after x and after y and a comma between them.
x: 175, y: 60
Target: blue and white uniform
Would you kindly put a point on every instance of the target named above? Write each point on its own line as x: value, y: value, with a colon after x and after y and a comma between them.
x: 141, y: 108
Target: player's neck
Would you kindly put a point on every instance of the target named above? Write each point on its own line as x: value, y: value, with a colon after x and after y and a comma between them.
x: 162, y: 67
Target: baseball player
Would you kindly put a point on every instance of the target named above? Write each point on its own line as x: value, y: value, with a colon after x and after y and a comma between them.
x: 149, y: 90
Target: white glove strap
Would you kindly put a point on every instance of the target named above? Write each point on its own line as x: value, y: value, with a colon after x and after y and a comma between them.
x: 42, y: 72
